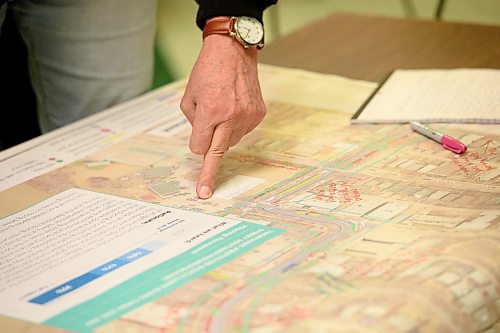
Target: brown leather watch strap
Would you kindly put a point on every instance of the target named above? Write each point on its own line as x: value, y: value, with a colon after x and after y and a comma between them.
x: 218, y: 25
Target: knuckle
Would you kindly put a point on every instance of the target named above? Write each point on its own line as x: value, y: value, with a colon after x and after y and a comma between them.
x: 217, y: 151
x: 232, y: 113
x: 226, y: 113
x: 258, y: 111
x: 184, y: 105
x: 261, y: 111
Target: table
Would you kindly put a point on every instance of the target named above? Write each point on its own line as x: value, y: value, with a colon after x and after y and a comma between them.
x: 369, y: 48
x: 371, y: 228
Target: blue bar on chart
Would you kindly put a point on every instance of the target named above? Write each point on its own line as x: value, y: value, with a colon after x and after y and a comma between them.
x: 86, y: 278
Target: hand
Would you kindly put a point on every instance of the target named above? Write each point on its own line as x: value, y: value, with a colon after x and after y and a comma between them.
x: 222, y: 101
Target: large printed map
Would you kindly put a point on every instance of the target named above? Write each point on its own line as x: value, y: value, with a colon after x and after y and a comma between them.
x: 385, y: 231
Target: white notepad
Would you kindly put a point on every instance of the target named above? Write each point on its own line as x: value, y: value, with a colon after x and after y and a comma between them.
x: 468, y: 95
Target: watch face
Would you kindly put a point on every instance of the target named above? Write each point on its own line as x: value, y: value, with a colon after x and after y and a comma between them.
x: 249, y: 29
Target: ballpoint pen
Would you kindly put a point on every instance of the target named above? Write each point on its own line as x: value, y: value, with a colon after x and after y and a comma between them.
x: 447, y: 141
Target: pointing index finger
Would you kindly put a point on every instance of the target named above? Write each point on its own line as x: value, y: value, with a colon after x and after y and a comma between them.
x: 212, y: 160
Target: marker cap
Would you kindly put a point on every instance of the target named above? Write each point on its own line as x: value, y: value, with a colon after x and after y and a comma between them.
x: 453, y: 144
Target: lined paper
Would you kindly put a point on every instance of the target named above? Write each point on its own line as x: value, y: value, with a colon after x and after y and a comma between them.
x: 435, y: 95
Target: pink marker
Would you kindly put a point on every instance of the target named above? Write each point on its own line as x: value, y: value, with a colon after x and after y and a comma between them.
x: 447, y: 141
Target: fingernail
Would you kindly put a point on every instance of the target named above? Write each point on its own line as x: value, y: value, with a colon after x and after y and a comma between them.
x: 205, y: 192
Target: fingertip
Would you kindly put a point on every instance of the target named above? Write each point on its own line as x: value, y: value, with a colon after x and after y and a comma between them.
x: 204, y: 192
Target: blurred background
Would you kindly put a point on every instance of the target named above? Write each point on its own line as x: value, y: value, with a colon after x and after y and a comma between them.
x: 179, y: 40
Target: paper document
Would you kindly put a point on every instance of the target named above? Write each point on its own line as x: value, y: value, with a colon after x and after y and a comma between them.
x: 457, y: 95
x: 91, y: 134
x: 84, y: 258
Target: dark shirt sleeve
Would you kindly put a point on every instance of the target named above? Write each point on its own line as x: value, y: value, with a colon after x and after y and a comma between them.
x: 212, y: 8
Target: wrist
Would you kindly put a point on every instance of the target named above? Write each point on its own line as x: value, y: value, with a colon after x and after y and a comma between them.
x: 247, y: 31
x: 223, y: 44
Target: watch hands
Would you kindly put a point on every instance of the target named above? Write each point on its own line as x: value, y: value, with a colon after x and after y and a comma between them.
x: 248, y: 31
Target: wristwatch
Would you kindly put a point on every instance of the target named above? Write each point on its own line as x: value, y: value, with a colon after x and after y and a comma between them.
x: 248, y: 31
